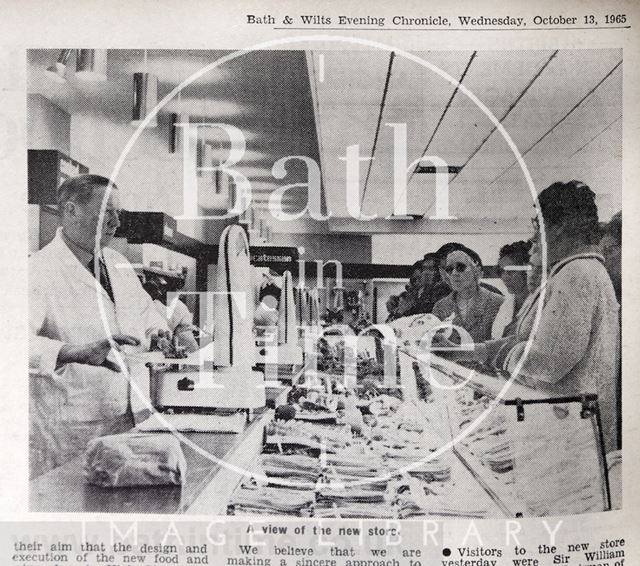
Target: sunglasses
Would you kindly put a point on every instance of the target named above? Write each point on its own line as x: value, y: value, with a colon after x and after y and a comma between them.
x: 459, y: 267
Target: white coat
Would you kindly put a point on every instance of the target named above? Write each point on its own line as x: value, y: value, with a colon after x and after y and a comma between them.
x: 64, y: 308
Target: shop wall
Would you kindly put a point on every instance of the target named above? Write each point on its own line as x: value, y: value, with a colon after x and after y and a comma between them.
x: 48, y: 125
x: 150, y: 179
x: 406, y: 249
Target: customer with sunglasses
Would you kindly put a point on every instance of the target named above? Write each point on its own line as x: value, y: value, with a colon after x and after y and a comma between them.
x: 574, y: 341
x: 469, y: 305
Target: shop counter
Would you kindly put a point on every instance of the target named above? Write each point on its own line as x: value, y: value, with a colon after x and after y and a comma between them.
x: 207, y: 481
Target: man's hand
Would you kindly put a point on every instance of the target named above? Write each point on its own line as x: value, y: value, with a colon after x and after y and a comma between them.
x: 95, y: 353
x: 162, y: 342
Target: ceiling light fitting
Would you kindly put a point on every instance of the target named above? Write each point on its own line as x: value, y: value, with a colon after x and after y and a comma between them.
x: 91, y: 65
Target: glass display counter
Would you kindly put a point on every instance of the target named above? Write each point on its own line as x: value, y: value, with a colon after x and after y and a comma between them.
x: 438, y: 439
x: 533, y: 454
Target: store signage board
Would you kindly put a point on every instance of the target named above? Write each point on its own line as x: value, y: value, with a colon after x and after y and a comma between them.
x: 263, y: 256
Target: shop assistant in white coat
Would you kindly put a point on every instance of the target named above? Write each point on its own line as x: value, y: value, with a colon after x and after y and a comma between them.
x: 77, y: 390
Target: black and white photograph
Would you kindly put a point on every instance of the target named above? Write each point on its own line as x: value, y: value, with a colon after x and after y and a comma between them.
x: 327, y: 278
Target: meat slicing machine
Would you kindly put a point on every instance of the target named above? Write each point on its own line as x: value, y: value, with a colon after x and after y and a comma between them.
x: 221, y: 375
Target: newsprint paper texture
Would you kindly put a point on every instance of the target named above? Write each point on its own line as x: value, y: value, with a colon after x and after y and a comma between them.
x: 319, y: 284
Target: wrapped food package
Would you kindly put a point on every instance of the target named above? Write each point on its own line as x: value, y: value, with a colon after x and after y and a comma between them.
x: 339, y: 493
x: 261, y: 500
x: 294, y: 471
x: 124, y: 460
x: 308, y: 434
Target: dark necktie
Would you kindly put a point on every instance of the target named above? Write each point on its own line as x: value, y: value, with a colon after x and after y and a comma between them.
x: 104, y: 275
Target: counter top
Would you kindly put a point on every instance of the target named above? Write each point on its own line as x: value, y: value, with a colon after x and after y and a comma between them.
x: 64, y: 489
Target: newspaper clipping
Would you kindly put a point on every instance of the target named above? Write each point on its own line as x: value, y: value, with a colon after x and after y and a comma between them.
x: 319, y: 284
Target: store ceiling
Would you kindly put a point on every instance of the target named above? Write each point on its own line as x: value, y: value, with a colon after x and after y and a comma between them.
x: 562, y: 110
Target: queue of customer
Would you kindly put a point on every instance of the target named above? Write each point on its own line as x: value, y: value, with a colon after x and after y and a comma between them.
x: 573, y: 337
x: 575, y: 342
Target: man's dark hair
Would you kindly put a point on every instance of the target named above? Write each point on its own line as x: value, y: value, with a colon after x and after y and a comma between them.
x: 80, y: 189
x: 613, y: 228
x: 573, y: 205
x: 518, y: 252
x: 431, y: 256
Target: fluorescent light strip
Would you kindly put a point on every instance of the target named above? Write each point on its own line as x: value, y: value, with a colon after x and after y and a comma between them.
x: 573, y: 109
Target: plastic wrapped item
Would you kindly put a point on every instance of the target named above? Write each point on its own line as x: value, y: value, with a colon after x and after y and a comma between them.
x: 124, y: 460
x: 294, y: 471
x: 311, y: 435
x: 260, y: 500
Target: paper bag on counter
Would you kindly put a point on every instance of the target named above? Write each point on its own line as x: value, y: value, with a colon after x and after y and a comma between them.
x: 133, y: 459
